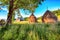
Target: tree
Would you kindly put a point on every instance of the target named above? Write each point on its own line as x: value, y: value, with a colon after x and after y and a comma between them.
x: 22, y: 4
x: 18, y: 13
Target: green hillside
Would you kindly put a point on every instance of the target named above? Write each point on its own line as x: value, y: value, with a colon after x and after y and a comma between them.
x: 57, y: 13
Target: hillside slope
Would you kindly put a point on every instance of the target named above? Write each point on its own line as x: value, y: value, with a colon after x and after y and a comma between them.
x: 57, y: 13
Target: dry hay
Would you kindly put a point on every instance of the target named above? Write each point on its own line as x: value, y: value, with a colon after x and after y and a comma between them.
x: 49, y: 17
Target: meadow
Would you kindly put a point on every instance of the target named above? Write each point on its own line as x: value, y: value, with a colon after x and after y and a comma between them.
x: 23, y: 30
x: 37, y: 31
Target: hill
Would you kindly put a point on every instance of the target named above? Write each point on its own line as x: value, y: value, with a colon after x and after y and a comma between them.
x: 57, y: 13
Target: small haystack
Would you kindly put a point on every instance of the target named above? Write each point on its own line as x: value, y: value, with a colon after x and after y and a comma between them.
x: 19, y: 19
x: 49, y: 17
x: 32, y: 19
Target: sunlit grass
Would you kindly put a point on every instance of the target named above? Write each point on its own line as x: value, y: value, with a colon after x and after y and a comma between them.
x: 58, y: 18
x: 20, y: 22
x: 25, y: 22
x: 39, y: 21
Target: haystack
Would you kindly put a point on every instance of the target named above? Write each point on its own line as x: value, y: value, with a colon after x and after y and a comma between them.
x: 32, y: 19
x: 49, y: 17
x: 19, y: 19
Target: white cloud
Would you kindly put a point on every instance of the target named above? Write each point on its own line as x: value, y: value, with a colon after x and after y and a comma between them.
x: 2, y: 17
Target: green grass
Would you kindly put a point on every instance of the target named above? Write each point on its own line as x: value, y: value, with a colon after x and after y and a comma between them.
x: 30, y: 32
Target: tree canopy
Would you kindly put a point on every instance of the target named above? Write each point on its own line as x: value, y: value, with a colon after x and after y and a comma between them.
x: 23, y: 4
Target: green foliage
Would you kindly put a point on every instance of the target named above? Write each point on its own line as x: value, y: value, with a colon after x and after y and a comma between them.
x: 23, y: 4
x: 2, y: 22
x: 26, y: 18
x: 4, y: 2
x: 39, y: 18
x: 57, y: 12
x: 30, y: 32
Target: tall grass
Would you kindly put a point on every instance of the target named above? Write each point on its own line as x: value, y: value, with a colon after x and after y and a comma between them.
x: 30, y: 32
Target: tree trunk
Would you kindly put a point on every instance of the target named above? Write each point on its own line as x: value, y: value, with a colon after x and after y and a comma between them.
x: 9, y: 18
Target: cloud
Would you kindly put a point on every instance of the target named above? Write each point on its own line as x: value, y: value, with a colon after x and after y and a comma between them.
x: 5, y: 9
x: 2, y: 17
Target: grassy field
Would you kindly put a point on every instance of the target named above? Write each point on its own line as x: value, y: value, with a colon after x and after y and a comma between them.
x: 20, y: 22
x: 58, y: 18
x: 25, y: 22
x: 23, y: 30
x: 39, y: 31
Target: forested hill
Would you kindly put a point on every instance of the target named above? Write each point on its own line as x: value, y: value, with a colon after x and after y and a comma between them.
x: 57, y: 12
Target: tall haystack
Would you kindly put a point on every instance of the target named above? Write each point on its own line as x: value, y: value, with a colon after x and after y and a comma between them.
x: 49, y: 17
x: 32, y: 19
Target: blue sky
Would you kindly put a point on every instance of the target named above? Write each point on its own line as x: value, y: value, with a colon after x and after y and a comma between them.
x: 48, y: 4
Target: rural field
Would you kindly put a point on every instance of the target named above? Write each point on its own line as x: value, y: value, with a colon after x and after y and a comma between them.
x: 29, y: 19
x: 39, y: 31
x: 23, y: 30
x: 25, y: 22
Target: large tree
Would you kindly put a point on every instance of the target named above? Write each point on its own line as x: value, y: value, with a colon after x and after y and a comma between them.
x: 20, y: 4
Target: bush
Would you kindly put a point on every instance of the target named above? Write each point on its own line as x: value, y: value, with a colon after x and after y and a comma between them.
x: 26, y: 18
x: 2, y: 22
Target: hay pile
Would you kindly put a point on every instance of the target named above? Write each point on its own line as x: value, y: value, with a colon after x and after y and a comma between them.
x: 49, y: 17
x: 32, y: 19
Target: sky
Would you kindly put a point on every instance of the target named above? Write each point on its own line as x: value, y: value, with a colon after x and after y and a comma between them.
x: 39, y: 11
